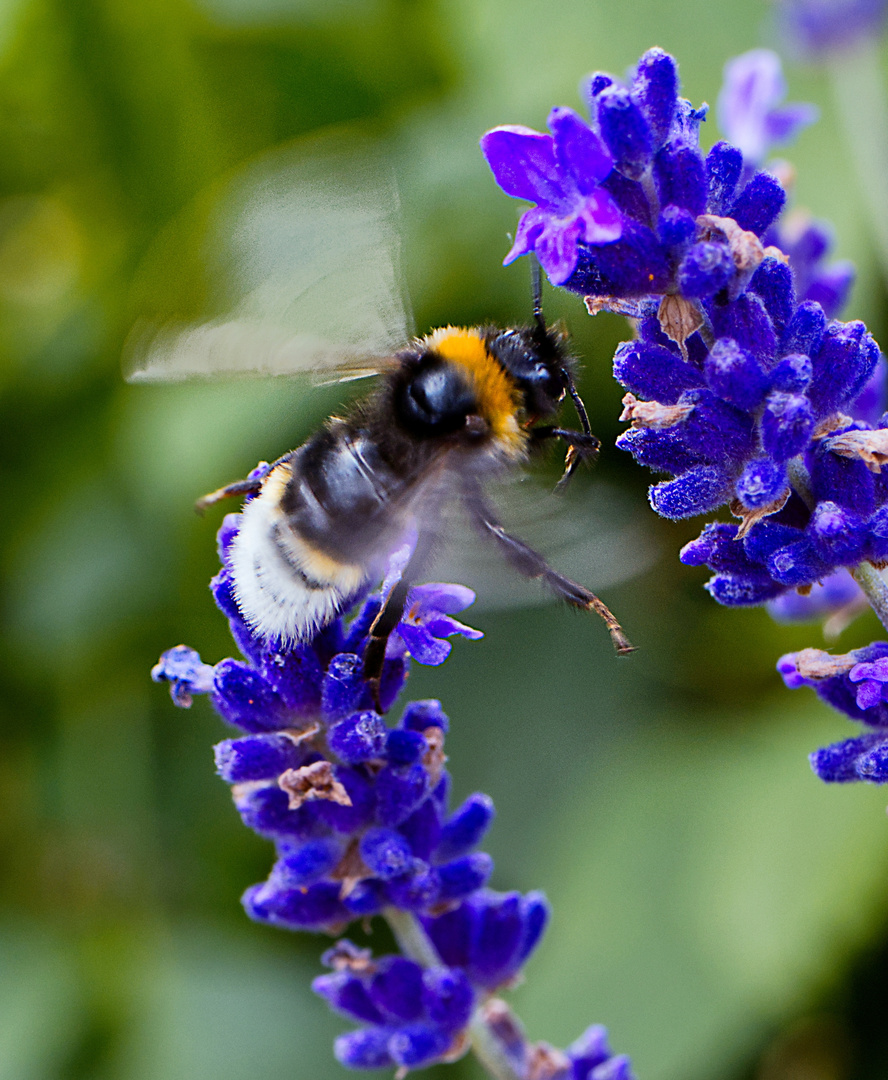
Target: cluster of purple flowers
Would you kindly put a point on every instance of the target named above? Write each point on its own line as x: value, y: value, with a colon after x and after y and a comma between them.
x: 857, y: 685
x: 358, y: 813
x: 736, y: 378
x: 743, y: 386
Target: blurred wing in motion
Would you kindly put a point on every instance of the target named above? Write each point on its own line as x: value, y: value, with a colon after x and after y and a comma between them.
x: 290, y: 265
x: 595, y: 536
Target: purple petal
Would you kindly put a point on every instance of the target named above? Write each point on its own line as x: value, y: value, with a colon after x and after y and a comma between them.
x: 440, y: 597
x: 755, y: 79
x: 581, y: 155
x: 424, y: 648
x: 443, y: 626
x: 366, y: 1048
x: 782, y: 125
x: 874, y: 669
x: 753, y: 85
x: 869, y: 693
x: 395, y: 648
x: 787, y: 667
x: 530, y: 226
x: 556, y: 248
x: 601, y: 218
x: 523, y: 164
x: 748, y: 112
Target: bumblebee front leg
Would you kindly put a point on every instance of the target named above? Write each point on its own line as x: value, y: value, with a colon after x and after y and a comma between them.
x: 531, y: 564
x: 385, y: 622
x: 580, y: 448
x: 239, y: 487
x: 251, y: 486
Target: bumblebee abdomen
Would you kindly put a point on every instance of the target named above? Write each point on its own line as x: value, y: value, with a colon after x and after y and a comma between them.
x: 285, y: 586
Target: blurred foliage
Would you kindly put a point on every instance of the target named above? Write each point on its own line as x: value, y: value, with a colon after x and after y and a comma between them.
x: 723, y: 913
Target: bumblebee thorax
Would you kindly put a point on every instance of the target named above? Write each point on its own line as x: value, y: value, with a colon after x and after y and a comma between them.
x: 456, y: 376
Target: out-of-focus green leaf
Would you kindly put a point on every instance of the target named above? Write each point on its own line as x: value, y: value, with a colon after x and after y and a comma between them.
x: 41, y: 1012
x: 703, y: 887
x: 211, y: 1007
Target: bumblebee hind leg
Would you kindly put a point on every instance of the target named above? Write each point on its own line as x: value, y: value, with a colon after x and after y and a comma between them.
x: 531, y: 564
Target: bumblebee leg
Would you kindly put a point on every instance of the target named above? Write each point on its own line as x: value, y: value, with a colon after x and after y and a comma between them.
x: 389, y: 616
x: 581, y: 447
x: 385, y: 622
x: 239, y: 487
x: 531, y: 564
x: 251, y: 486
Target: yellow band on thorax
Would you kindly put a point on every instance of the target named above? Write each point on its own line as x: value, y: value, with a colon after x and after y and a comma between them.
x: 495, y: 391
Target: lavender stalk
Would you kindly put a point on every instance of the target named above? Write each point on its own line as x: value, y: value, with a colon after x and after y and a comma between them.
x: 358, y: 812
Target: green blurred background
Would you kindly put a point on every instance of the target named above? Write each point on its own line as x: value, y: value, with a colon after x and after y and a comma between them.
x: 724, y: 914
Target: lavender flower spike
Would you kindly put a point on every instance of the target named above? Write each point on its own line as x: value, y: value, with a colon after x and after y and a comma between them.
x: 749, y: 110
x: 561, y: 173
x: 358, y: 810
x: 742, y: 386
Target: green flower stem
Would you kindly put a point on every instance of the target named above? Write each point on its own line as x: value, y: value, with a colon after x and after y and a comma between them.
x: 861, y: 98
x: 865, y: 574
x: 488, y: 1049
x: 415, y: 944
x: 412, y: 940
x: 873, y: 585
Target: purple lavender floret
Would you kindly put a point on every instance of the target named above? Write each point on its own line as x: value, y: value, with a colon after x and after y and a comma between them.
x: 591, y: 1058
x: 186, y: 673
x: 588, y: 1058
x: 807, y: 244
x: 423, y: 631
x: 413, y: 1016
x: 561, y: 173
x: 836, y: 592
x: 856, y: 684
x: 751, y: 112
x: 489, y: 935
x: 798, y: 545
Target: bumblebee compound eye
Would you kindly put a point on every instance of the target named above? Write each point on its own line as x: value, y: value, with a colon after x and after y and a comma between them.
x: 436, y: 400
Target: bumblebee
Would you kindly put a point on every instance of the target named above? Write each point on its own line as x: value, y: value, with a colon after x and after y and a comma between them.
x: 305, y: 257
x: 454, y: 409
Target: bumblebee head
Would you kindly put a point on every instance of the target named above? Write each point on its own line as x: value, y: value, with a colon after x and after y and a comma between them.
x: 536, y: 359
